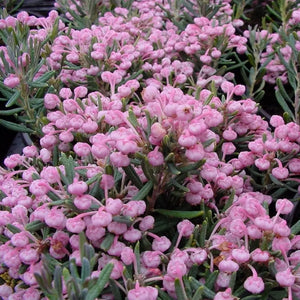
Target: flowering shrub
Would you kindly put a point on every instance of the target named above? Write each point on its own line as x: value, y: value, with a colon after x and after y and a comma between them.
x: 154, y: 173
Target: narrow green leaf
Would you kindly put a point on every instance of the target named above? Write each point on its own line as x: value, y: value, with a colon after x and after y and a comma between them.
x: 9, y: 112
x: 66, y: 275
x: 210, y: 281
x: 272, y: 11
x: 283, y: 92
x: 172, y: 168
x: 229, y: 201
x: 137, y: 254
x: 58, y: 281
x: 37, y: 84
x: 206, y: 291
x: 198, y: 294
x: 13, y: 99
x: 115, y: 290
x: 295, y: 229
x: 132, y: 118
x: 180, y: 293
x: 180, y: 214
x: 132, y: 175
x: 35, y: 226
x: 144, y: 191
x: 12, y: 228
x: 103, y: 278
x: 45, y: 77
x: 85, y: 269
x: 283, y: 104
x: 191, y: 166
x: 123, y: 219
x: 107, y: 242
x: 15, y: 127
x: 163, y: 295
x: 203, y: 232
x: 148, y: 169
x: 232, y: 281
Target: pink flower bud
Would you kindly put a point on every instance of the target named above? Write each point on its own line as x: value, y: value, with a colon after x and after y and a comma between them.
x: 29, y: 256
x: 259, y: 255
x: 101, y: 218
x: 118, y: 159
x: 94, y: 233
x: 161, y: 244
x: 132, y: 235
x: 262, y: 164
x: 127, y: 256
x: 12, y: 81
x: 176, y: 268
x: 39, y: 187
x: 142, y: 293
x: 198, y: 256
x: 113, y: 206
x: 117, y: 269
x: 157, y: 131
x: 254, y: 284
x: 281, y: 228
x: 5, y: 291
x: 282, y: 244
x: 241, y: 255
x: 150, y: 93
x: 51, y: 101
x: 284, y: 206
x: 117, y: 228
x: 75, y: 225
x: 228, y: 266
x: 238, y: 228
x: 151, y: 259
x: 280, y: 173
x: 11, y: 258
x: 19, y: 239
x: 223, y: 280
x: 134, y: 208
x: 155, y: 157
x: 195, y: 153
x: 12, y: 161
x: 146, y: 223
x: 185, y: 228
x: 285, y: 278
x: 82, y: 149
x: 77, y: 188
x: 55, y: 218
x: 107, y: 181
x: 82, y: 202
x: 226, y: 295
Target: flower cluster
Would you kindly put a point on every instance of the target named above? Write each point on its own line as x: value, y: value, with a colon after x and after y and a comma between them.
x: 152, y: 173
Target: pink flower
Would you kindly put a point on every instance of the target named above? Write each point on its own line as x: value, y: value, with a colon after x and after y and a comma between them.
x: 51, y: 101
x: 161, y: 244
x: 127, y: 256
x: 119, y: 160
x: 155, y: 157
x: 185, y: 228
x: 77, y: 188
x: 254, y: 284
x: 176, y: 268
x: 75, y: 225
x: 228, y: 266
x: 142, y: 293
x: 151, y: 259
x: 285, y: 278
x: 226, y: 295
x: 12, y: 81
